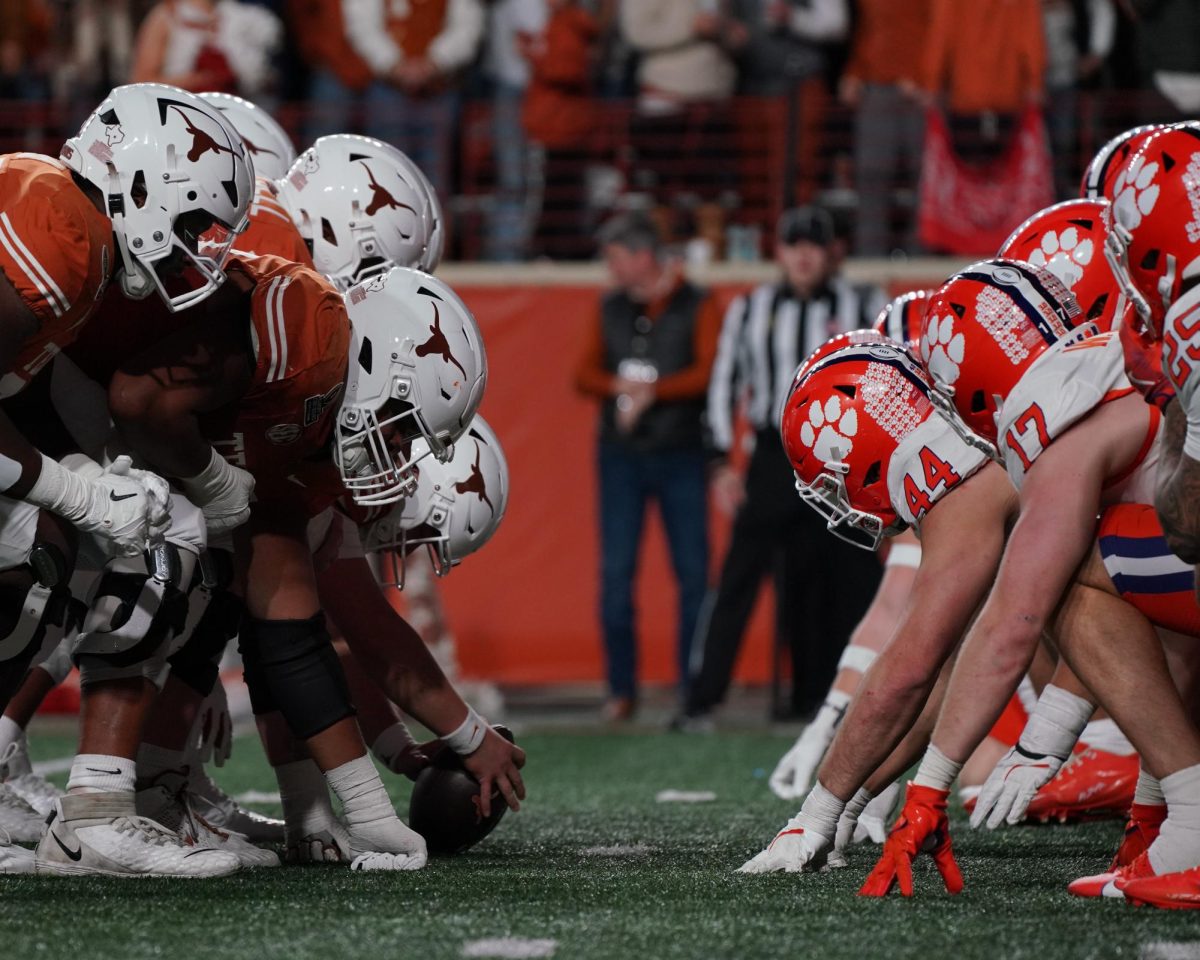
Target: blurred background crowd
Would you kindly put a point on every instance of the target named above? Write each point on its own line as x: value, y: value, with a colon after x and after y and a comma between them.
x: 537, y: 119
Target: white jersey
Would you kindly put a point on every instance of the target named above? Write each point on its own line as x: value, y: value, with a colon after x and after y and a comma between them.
x: 929, y: 461
x: 1063, y: 386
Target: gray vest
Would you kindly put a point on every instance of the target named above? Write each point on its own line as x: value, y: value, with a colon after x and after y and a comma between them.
x: 636, y: 346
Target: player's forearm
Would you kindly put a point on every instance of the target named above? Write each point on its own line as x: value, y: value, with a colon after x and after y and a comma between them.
x: 990, y: 666
x: 164, y: 432
x: 1177, y: 497
x: 20, y: 461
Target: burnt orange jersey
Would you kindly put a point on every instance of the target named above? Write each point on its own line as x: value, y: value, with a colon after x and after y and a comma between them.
x: 299, y: 340
x: 270, y: 230
x: 55, y: 250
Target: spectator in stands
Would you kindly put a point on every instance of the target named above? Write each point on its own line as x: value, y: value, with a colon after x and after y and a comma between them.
x: 206, y: 45
x: 1079, y: 37
x: 686, y: 75
x: 559, y: 116
x: 512, y: 24
x: 95, y: 45
x: 986, y: 60
x: 415, y: 53
x: 1168, y: 33
x: 788, y: 41
x: 25, y: 27
x: 647, y: 360
x: 889, y: 123
x: 822, y: 584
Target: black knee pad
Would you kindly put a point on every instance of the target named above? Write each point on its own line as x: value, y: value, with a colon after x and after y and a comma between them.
x: 295, y: 664
x: 197, y: 662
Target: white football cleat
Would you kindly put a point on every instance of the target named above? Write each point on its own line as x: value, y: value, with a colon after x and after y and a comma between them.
x: 405, y: 847
x: 221, y: 810
x: 18, y: 819
x: 14, y: 859
x: 36, y: 791
x: 90, y: 833
x: 165, y: 801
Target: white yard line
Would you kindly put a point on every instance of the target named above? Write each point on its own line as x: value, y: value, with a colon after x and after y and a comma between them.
x: 509, y: 947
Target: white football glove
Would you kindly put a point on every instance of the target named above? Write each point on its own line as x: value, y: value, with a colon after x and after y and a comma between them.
x: 806, y: 840
x: 323, y: 846
x: 1011, y: 785
x: 222, y: 491
x: 875, y: 821
x: 795, y: 772
x: 110, y: 504
x: 386, y: 844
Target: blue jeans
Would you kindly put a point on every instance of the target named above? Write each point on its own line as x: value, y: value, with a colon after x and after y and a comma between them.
x: 628, y: 480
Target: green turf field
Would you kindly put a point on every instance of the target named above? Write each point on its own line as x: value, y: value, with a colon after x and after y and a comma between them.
x: 541, y: 877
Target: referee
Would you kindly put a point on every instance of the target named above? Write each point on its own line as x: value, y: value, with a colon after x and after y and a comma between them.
x: 822, y: 585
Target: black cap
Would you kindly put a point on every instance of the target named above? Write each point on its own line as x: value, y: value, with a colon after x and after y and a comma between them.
x: 814, y: 224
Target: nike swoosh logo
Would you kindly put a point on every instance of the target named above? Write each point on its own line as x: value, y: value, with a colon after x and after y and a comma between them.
x: 114, y: 773
x: 73, y: 854
x: 126, y: 496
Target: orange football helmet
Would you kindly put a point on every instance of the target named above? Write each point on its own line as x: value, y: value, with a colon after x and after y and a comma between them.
x: 901, y: 319
x: 845, y: 414
x: 985, y: 327
x: 1154, y: 230
x: 1102, y: 171
x: 1068, y: 239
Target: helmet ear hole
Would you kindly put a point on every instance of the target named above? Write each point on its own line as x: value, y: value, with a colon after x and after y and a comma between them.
x: 849, y: 389
x: 873, y: 472
x: 978, y: 402
x: 137, y: 189
x: 327, y: 233
x: 1097, y: 308
x: 1150, y: 260
x: 364, y: 355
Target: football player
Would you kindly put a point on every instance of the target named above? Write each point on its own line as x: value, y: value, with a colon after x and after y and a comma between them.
x: 152, y: 174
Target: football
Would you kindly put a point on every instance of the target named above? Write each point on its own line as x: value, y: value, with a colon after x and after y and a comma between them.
x: 444, y: 808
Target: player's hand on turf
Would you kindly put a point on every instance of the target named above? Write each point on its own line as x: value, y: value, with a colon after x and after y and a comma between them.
x: 1011, y: 786
x: 873, y: 821
x: 794, y: 773
x: 323, y: 846
x: 497, y: 766
x: 922, y: 827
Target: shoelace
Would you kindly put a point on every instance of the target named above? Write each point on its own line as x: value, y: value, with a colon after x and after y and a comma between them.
x: 148, y: 831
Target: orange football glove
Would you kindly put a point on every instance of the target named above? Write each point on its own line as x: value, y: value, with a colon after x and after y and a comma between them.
x: 921, y: 828
x: 1143, y: 363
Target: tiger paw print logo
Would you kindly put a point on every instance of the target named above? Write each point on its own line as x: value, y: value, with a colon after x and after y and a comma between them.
x: 1064, y: 254
x: 829, y: 429
x: 1135, y: 192
x: 942, y: 350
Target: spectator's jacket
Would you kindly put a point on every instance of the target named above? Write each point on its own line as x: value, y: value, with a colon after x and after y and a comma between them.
x: 321, y: 37
x: 557, y: 111
x: 884, y: 28
x: 385, y: 32
x: 676, y: 66
x: 986, y: 55
x: 676, y: 337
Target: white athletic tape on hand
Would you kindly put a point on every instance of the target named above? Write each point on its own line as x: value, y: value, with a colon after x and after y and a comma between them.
x: 904, y: 555
x: 857, y: 658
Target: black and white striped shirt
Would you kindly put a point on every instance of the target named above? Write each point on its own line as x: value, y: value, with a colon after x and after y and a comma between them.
x: 765, y: 336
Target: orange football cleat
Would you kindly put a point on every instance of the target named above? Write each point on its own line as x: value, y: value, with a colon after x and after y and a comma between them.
x: 1092, y: 785
x: 1171, y: 891
x: 1141, y: 830
x: 1111, y: 883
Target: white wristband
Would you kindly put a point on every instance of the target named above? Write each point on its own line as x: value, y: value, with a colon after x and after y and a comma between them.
x: 213, y: 481
x: 857, y: 658
x: 59, y: 490
x: 469, y: 735
x: 904, y: 555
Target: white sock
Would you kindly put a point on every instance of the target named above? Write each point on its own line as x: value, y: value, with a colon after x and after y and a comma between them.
x: 307, y: 809
x: 1178, y: 844
x: 98, y: 773
x: 153, y: 760
x: 1148, y: 790
x: 14, y: 744
x: 359, y: 787
x: 1107, y: 736
x: 936, y: 770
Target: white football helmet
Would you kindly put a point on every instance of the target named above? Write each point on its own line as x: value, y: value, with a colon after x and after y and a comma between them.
x: 269, y: 146
x: 417, y: 369
x: 362, y: 206
x: 455, y: 509
x: 174, y: 175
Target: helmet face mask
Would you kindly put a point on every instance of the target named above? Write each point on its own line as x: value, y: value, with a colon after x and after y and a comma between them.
x: 827, y: 495
x: 454, y: 509
x: 417, y: 372
x: 176, y: 183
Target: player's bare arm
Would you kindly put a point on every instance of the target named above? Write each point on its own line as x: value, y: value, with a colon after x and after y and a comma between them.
x: 1059, y: 500
x: 962, y: 542
x: 394, y: 655
x: 18, y: 323
x: 1177, y: 498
